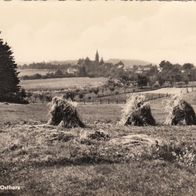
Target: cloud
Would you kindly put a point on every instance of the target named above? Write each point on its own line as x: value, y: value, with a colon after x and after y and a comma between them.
x: 147, y: 31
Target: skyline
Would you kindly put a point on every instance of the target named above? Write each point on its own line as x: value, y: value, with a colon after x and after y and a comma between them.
x: 59, y: 31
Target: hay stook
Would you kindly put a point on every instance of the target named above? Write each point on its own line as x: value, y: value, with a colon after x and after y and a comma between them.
x: 180, y: 112
x: 137, y: 112
x: 64, y: 113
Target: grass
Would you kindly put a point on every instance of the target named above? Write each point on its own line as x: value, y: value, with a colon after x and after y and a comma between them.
x: 61, y: 83
x: 90, y: 112
x: 55, y: 162
x: 103, y: 159
x: 30, y: 72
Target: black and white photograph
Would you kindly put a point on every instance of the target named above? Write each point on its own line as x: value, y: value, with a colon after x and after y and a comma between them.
x: 97, y: 98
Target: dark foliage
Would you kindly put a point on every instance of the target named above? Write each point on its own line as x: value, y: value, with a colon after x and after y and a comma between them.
x: 10, y: 90
x: 99, y: 135
x: 142, y: 80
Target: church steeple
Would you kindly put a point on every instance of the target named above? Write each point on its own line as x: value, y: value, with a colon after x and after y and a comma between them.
x: 101, y: 61
x: 97, y: 57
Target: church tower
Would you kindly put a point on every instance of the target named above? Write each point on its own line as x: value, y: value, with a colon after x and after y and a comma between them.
x: 97, y: 57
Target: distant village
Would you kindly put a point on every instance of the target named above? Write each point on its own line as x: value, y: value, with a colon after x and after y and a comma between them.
x: 164, y: 74
x: 85, y: 64
x: 87, y: 67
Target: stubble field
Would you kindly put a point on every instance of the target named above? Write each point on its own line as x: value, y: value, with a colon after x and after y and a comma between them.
x: 122, y: 160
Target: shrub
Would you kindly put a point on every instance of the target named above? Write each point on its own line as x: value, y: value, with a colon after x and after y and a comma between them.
x: 99, y: 135
x: 81, y: 96
x: 181, y: 153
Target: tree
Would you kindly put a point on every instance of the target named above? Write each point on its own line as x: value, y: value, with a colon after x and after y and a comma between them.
x: 188, y: 71
x: 165, y: 65
x: 59, y: 73
x: 82, y: 71
x: 69, y: 95
x: 81, y: 96
x: 9, y: 81
x: 188, y: 66
x: 161, y: 80
x: 169, y: 72
x: 142, y: 80
x: 96, y: 90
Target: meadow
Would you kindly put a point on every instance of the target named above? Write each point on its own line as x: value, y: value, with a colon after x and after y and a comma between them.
x: 62, y: 83
x: 30, y: 72
x: 103, y: 159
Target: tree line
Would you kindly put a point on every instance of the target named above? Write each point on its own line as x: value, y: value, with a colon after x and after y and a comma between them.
x: 165, y: 73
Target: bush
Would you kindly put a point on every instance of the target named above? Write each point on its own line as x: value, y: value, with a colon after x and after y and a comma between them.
x: 18, y: 97
x: 81, y: 96
x: 183, y: 153
x: 99, y: 135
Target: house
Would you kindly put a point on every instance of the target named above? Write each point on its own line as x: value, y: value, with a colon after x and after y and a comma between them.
x: 140, y: 69
x: 167, y: 84
x: 72, y: 70
x: 120, y: 65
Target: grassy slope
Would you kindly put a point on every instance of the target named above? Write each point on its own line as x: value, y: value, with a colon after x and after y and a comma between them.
x: 55, y: 162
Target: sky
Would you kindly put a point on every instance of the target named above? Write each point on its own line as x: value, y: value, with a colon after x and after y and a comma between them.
x: 53, y: 30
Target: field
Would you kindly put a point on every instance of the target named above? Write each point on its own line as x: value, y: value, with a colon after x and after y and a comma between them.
x: 30, y: 72
x: 170, y: 91
x: 61, y: 83
x: 48, y: 160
